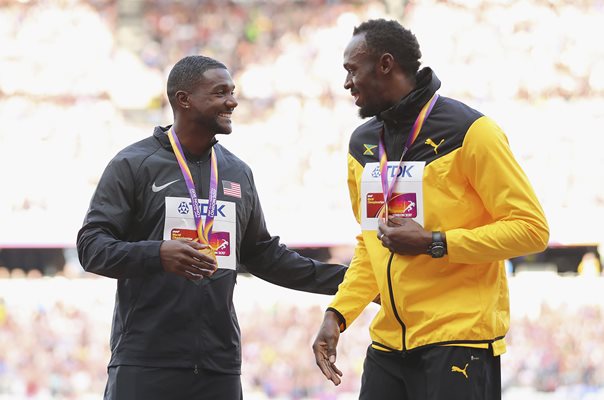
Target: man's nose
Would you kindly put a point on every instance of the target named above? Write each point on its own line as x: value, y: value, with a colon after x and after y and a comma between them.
x: 232, y: 102
x: 347, y: 83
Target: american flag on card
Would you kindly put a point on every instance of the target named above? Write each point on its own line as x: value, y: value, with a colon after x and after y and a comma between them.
x: 231, y: 189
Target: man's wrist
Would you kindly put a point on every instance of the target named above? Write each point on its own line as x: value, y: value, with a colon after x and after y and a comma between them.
x: 331, y: 314
x: 427, y: 241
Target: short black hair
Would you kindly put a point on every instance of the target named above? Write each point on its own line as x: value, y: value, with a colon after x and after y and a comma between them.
x: 384, y: 36
x: 187, y: 74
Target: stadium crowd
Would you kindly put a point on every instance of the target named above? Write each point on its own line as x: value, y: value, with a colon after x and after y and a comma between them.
x: 53, y: 342
x: 80, y: 94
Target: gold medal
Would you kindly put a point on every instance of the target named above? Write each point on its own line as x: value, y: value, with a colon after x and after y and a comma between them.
x: 209, y: 251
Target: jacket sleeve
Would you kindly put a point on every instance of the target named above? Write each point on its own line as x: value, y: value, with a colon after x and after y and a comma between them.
x: 519, y: 226
x: 265, y: 257
x: 359, y: 287
x: 103, y: 241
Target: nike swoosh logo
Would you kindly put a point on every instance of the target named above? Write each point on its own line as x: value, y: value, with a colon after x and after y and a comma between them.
x: 162, y: 187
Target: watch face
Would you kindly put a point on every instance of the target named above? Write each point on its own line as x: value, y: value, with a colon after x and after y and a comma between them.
x: 437, y: 251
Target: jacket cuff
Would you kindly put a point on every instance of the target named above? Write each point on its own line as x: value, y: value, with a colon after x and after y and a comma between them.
x: 341, y: 318
x: 152, y: 261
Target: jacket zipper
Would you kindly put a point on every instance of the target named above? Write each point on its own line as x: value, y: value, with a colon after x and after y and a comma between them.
x: 395, y: 148
x: 198, y: 349
x: 394, y: 310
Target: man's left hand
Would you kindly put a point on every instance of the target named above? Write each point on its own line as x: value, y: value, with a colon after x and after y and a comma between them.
x: 404, y: 236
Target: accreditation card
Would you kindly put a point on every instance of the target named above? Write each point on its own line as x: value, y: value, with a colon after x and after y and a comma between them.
x: 180, y: 223
x: 407, y: 200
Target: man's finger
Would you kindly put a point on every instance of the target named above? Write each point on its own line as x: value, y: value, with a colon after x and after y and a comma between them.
x: 336, y: 370
x: 335, y: 375
x: 331, y: 373
x: 193, y: 277
x: 201, y: 260
x: 396, y: 221
x: 201, y: 251
x: 329, y: 370
x: 193, y: 243
x: 199, y: 263
x: 197, y: 271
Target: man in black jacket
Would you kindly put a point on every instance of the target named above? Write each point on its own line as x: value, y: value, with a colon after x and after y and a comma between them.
x: 172, y: 219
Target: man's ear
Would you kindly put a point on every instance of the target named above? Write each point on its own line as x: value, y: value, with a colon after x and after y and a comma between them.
x: 386, y: 63
x: 182, y: 99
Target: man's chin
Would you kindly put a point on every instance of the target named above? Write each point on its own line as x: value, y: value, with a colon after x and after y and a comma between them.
x: 224, y: 130
x: 367, y: 113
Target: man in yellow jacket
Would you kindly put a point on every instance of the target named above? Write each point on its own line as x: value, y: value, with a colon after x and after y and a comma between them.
x: 442, y: 203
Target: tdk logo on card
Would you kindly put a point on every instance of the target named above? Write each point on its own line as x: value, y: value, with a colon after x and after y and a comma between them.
x: 184, y: 208
x: 402, y: 171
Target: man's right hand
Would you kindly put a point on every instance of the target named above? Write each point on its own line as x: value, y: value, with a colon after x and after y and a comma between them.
x: 325, y: 345
x: 183, y: 257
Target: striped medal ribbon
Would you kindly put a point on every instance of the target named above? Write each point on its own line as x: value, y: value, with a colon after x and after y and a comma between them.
x: 204, y: 230
x: 417, y: 126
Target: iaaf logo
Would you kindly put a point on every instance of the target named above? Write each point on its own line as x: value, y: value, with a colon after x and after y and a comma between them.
x: 400, y: 171
x: 184, y: 207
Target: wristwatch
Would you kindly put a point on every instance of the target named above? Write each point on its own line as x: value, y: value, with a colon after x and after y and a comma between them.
x: 437, y: 248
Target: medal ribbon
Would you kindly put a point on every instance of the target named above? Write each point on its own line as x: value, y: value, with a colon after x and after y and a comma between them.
x: 203, y: 230
x: 417, y: 126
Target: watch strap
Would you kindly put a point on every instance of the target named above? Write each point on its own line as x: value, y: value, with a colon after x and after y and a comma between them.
x: 437, y: 248
x: 437, y: 237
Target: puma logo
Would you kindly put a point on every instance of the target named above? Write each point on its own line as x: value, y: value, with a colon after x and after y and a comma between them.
x: 430, y: 142
x: 462, y: 371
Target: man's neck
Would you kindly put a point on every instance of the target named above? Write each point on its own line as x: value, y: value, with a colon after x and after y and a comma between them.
x: 397, y: 89
x: 193, y: 141
x: 404, y: 88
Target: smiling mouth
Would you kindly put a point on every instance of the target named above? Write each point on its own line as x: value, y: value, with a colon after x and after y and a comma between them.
x: 225, y: 115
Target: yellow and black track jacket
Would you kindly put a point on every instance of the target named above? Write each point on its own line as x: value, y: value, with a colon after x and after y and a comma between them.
x: 475, y: 191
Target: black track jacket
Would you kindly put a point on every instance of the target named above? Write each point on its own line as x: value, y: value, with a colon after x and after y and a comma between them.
x: 161, y: 319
